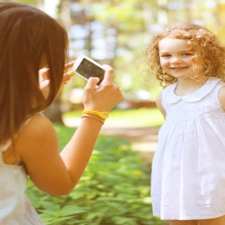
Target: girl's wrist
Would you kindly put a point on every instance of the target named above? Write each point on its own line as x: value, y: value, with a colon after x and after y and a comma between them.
x: 95, y: 114
x: 93, y: 119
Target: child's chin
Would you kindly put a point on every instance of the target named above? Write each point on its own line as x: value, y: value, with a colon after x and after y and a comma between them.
x: 180, y: 75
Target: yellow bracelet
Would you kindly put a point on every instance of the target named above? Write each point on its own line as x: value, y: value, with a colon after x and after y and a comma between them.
x: 101, y: 115
x: 93, y: 117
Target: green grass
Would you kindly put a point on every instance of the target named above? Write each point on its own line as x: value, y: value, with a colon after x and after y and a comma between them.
x: 143, y: 117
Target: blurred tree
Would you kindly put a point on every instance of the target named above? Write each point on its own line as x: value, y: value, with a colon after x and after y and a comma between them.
x: 127, y: 24
x: 30, y: 2
x: 118, y: 32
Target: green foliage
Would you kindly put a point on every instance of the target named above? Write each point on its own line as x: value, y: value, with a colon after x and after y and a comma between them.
x: 143, y: 117
x: 30, y: 2
x: 113, y: 191
x: 125, y: 15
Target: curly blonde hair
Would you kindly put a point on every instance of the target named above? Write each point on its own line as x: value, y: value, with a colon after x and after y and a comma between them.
x: 211, y: 51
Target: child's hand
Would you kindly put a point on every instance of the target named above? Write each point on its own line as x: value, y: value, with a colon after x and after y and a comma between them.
x: 68, y: 72
x: 103, y: 97
x: 44, y: 78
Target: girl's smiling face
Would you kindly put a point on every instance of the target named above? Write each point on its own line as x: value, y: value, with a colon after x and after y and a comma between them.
x: 179, y: 59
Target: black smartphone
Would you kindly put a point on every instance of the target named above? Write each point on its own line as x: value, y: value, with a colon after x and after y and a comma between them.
x: 87, y: 67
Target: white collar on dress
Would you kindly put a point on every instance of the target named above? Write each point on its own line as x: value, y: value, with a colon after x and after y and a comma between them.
x: 196, y: 95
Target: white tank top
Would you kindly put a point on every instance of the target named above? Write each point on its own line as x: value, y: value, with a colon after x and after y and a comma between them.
x: 15, y: 208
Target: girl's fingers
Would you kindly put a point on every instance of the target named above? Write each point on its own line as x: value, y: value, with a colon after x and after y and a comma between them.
x: 70, y: 73
x: 92, y: 83
x: 108, y: 76
x: 66, y: 78
x: 69, y: 65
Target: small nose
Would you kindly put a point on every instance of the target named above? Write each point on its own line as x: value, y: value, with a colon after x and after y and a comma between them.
x: 176, y: 59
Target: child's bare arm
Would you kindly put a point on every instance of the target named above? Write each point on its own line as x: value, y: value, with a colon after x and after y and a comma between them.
x: 77, y: 152
x: 37, y: 143
x: 38, y: 148
x: 39, y: 151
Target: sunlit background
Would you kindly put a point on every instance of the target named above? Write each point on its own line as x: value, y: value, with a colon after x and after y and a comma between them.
x: 118, y: 33
x: 115, y: 188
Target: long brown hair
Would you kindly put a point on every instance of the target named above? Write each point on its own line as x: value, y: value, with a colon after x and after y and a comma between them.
x: 212, y: 52
x: 26, y: 35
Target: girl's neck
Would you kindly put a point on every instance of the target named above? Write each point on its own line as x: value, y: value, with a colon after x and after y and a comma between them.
x: 186, y: 85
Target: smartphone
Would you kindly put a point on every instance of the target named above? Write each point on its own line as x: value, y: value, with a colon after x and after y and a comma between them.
x: 87, y: 67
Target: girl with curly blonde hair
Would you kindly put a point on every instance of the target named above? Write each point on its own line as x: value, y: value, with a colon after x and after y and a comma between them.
x: 188, y: 170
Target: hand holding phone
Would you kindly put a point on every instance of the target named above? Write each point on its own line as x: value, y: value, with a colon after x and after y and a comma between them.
x: 104, y: 97
x: 87, y: 67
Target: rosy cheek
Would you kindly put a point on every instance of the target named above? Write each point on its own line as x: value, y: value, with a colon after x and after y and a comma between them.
x: 189, y: 60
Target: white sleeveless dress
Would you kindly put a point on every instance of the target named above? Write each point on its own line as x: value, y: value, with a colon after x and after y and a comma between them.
x: 15, y: 208
x: 188, y: 171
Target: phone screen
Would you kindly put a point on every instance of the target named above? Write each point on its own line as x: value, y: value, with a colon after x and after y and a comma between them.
x: 89, y: 69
